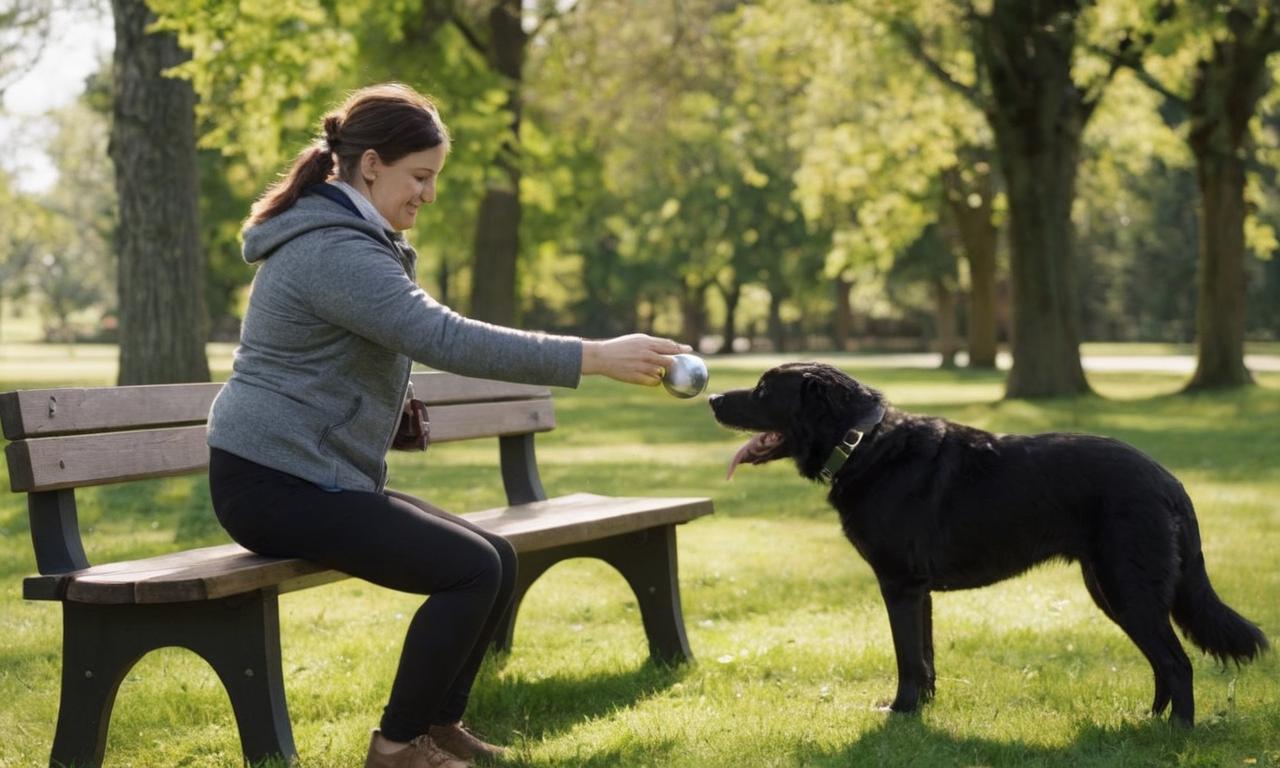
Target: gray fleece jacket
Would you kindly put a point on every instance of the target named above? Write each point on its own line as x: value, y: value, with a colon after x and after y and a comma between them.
x: 335, y: 320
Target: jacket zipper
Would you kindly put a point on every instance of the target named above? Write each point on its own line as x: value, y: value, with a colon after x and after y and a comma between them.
x: 395, y: 424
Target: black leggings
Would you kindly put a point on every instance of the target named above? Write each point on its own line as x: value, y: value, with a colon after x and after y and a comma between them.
x: 395, y: 541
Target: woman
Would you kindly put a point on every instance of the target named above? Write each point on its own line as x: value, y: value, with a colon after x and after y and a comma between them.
x: 299, y: 434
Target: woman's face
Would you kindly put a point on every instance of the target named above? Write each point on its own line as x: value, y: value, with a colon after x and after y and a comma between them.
x: 398, y: 189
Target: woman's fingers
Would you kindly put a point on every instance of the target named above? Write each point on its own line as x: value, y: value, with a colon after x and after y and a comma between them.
x: 634, y: 359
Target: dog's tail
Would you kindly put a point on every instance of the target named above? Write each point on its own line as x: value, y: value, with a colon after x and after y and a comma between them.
x: 1210, y: 623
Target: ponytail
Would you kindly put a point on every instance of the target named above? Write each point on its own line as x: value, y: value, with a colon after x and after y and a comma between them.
x: 312, y: 166
x: 391, y: 119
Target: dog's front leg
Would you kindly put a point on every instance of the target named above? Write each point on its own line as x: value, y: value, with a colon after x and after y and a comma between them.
x: 906, y: 621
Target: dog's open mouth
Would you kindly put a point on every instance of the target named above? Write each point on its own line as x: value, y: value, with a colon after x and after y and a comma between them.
x: 762, y: 447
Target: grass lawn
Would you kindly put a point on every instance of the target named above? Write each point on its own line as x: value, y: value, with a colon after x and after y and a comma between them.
x: 790, y: 634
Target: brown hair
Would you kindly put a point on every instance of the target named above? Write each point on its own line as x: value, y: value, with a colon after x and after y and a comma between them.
x: 392, y: 119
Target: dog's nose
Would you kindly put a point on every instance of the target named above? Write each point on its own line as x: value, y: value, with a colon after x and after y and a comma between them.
x: 714, y: 400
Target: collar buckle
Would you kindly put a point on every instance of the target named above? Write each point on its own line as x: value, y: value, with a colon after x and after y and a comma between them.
x: 840, y: 454
x: 848, y: 444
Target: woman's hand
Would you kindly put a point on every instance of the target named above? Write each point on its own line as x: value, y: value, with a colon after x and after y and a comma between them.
x: 635, y: 359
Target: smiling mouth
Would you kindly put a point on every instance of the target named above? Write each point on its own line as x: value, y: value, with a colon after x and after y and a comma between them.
x: 761, y: 448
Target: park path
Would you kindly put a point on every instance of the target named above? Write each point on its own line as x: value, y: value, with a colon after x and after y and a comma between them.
x: 1184, y: 364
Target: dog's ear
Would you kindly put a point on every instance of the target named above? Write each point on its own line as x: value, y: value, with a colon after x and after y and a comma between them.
x: 817, y: 391
x: 837, y: 394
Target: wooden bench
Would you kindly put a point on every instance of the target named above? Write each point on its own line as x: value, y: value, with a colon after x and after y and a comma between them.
x: 221, y: 601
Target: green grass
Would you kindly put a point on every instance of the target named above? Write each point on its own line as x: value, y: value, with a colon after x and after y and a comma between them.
x: 792, y: 641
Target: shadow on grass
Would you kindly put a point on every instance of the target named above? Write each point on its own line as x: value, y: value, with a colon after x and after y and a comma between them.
x: 906, y: 740
x: 655, y: 751
x: 536, y: 709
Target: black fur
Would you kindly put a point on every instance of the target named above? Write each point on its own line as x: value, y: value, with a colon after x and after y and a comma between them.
x: 934, y: 505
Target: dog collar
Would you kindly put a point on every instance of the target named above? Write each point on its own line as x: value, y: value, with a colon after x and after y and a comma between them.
x: 845, y: 448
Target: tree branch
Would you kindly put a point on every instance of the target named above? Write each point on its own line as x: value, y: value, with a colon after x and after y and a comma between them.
x: 25, y: 29
x: 1120, y: 60
x: 912, y: 38
x: 467, y: 32
x: 1268, y: 37
x: 1125, y: 55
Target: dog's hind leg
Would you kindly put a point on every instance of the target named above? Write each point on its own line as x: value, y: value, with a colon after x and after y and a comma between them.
x: 1095, y: 591
x: 906, y: 621
x: 1142, y: 614
x: 926, y: 624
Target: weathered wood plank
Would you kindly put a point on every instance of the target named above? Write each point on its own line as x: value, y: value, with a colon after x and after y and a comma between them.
x: 65, y: 411
x: 585, y: 517
x: 438, y: 388
x: 215, y: 572
x: 51, y: 463
x: 44, y: 412
x: 73, y: 461
x: 206, y: 573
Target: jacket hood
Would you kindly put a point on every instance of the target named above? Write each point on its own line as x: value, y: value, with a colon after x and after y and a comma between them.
x: 311, y: 212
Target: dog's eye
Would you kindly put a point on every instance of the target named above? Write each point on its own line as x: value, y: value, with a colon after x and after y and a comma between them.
x: 760, y: 391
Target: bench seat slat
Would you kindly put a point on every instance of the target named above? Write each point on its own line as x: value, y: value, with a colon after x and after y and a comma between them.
x: 584, y: 516
x: 50, y: 463
x: 68, y: 410
x: 224, y: 570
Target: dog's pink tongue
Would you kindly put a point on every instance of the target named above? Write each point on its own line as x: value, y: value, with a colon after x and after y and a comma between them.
x: 750, y: 452
x: 739, y: 456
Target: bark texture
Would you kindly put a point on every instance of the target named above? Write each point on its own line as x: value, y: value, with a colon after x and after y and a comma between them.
x: 1038, y: 114
x: 497, y: 241
x: 1224, y: 98
x: 161, y: 265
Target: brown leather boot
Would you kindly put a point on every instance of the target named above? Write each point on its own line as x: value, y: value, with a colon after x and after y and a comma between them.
x: 422, y: 752
x: 461, y: 741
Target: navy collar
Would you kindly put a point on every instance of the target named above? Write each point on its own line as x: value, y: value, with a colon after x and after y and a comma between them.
x: 327, y: 190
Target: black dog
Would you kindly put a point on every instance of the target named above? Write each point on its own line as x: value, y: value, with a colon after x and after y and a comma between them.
x: 934, y: 505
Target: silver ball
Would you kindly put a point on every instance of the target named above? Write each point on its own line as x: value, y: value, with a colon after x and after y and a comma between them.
x: 686, y: 377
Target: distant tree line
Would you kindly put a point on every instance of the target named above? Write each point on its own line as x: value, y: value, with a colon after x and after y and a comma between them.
x: 962, y: 173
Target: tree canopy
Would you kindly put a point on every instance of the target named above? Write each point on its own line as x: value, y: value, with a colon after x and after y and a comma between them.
x: 775, y: 174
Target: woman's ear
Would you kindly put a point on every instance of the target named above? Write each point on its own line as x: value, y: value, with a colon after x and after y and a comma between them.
x: 370, y: 164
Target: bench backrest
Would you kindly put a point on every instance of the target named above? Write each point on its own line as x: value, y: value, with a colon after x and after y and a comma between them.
x: 68, y: 438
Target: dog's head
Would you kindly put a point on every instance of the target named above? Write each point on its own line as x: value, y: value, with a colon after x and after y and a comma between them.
x: 798, y: 410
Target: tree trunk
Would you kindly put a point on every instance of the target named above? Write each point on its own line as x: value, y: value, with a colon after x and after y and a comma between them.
x: 844, y: 314
x: 731, y: 298
x: 1038, y: 114
x: 497, y: 241
x: 948, y: 339
x: 693, y: 313
x: 777, y: 330
x: 1220, y: 295
x: 1046, y: 345
x: 443, y: 276
x: 1224, y: 98
x: 161, y: 266
x: 978, y: 237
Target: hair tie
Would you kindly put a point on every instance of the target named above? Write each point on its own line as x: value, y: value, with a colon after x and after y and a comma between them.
x: 332, y: 129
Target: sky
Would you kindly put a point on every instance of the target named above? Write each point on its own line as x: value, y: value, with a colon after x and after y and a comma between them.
x: 78, y: 43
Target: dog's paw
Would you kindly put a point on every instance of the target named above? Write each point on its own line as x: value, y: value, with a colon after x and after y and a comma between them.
x: 897, y: 706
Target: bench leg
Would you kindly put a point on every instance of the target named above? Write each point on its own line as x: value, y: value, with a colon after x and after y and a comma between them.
x: 95, y: 659
x: 531, y: 566
x: 239, y: 637
x: 245, y: 653
x: 647, y: 560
